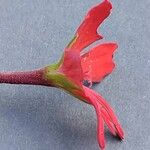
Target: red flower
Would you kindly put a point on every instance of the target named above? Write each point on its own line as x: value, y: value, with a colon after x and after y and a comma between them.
x: 75, y: 67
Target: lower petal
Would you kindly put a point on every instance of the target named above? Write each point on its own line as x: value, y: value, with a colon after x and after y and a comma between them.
x: 104, y: 114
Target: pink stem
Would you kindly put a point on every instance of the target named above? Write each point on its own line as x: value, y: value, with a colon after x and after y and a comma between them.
x: 34, y: 77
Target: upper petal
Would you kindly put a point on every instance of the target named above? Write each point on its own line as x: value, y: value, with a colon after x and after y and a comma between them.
x: 87, y: 31
x: 98, y: 62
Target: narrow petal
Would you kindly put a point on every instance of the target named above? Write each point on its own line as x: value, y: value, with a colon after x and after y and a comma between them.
x: 100, y: 122
x: 98, y: 62
x: 87, y: 31
x: 108, y: 122
x: 107, y: 114
x: 111, y: 113
x: 100, y: 128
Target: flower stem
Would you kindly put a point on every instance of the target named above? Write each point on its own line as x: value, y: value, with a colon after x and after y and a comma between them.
x: 34, y: 77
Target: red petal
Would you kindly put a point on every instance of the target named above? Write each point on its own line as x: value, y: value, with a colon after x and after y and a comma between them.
x: 100, y: 128
x: 104, y: 112
x: 87, y: 32
x: 100, y: 122
x: 71, y: 66
x: 108, y: 122
x: 111, y: 113
x: 98, y: 62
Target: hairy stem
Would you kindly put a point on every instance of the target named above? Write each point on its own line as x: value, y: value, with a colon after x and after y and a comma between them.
x: 34, y: 77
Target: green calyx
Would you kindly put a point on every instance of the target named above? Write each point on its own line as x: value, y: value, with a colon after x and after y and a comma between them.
x: 59, y: 79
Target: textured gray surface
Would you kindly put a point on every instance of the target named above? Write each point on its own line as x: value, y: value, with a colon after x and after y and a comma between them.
x: 33, y: 33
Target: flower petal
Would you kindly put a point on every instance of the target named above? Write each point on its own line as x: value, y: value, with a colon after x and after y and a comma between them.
x: 108, y: 122
x: 87, y: 31
x: 71, y: 66
x: 104, y: 113
x: 100, y: 128
x: 98, y: 62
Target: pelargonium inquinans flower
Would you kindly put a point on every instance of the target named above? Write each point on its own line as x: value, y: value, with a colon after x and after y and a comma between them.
x: 75, y: 67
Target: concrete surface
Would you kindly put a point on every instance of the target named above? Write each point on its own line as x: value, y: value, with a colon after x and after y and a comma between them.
x: 33, y: 33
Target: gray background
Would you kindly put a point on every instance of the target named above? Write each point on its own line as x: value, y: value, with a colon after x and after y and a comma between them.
x: 33, y: 33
